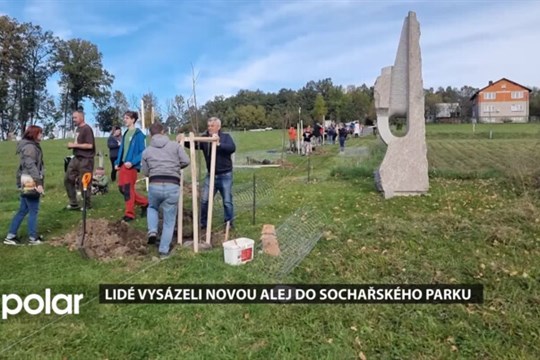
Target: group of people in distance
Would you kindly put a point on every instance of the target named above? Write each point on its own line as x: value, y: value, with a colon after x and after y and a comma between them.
x: 308, y: 134
x: 161, y: 162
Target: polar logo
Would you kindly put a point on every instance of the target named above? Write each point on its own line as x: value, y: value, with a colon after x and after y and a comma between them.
x: 34, y: 304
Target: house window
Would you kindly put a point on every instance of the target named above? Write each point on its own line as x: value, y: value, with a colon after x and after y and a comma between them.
x: 503, y: 86
x: 516, y: 107
x: 489, y: 108
x: 489, y: 96
x: 517, y: 94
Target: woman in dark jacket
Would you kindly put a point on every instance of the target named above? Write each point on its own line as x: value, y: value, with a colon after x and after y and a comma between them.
x: 30, y: 176
x: 113, y: 143
x: 342, y: 133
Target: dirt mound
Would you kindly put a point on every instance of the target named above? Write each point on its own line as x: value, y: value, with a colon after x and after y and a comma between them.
x: 321, y: 150
x: 285, y: 164
x: 107, y: 240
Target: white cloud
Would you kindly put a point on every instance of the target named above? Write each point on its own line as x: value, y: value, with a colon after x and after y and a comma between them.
x: 55, y: 16
x: 297, y: 57
x: 288, y: 44
x: 49, y: 15
x: 276, y: 44
x: 482, y: 46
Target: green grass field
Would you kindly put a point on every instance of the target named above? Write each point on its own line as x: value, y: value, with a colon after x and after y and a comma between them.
x: 479, y: 224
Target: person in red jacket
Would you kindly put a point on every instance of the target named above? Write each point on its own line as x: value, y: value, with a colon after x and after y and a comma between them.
x: 292, y: 139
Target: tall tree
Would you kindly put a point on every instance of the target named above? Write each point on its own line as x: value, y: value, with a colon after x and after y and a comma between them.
x: 324, y: 87
x: 333, y: 102
x: 534, y: 103
x: 195, y: 116
x: 216, y: 107
x: 106, y: 118
x: 11, y: 53
x: 39, y: 66
x: 347, y: 111
x: 82, y: 72
x: 120, y: 105
x: 151, y: 106
x: 431, y: 100
x: 465, y: 103
x: 250, y: 117
x: 306, y: 100
x: 111, y: 113
x: 319, y: 109
x: 230, y: 119
x: 50, y: 116
x: 176, y: 110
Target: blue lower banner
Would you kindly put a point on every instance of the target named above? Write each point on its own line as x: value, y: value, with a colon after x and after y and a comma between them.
x: 290, y: 294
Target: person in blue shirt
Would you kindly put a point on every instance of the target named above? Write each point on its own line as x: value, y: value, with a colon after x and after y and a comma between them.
x: 128, y: 165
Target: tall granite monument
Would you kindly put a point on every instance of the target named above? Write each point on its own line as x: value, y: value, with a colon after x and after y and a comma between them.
x: 399, y: 91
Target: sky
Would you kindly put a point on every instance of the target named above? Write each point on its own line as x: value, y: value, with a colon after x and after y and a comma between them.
x: 229, y: 45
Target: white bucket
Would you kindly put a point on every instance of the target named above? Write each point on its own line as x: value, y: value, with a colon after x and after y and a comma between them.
x: 239, y: 251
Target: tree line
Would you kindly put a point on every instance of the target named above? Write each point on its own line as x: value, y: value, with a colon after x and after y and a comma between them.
x: 30, y: 56
x: 322, y: 100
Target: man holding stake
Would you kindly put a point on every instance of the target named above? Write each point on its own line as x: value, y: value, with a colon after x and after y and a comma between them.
x: 224, y: 170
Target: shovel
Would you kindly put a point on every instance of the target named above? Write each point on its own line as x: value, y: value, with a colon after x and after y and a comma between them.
x: 227, y: 229
x: 87, y: 177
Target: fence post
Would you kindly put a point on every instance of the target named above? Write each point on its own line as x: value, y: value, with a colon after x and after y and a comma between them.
x: 254, y: 197
x: 308, y: 168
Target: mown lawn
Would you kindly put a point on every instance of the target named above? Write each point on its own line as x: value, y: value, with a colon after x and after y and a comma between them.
x: 480, y: 223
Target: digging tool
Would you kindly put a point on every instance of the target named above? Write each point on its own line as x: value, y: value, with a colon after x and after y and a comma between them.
x: 87, y: 177
x: 227, y: 228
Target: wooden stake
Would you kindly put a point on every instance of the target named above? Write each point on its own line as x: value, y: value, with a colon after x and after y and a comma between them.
x: 100, y: 159
x: 192, y: 138
x: 180, y: 221
x: 194, y: 193
x: 298, y: 138
x: 211, y: 192
x: 144, y: 132
x: 302, y: 127
x: 142, y: 116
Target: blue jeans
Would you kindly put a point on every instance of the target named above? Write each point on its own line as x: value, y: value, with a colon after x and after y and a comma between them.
x: 165, y: 196
x: 30, y: 207
x: 223, y: 184
x: 342, y: 144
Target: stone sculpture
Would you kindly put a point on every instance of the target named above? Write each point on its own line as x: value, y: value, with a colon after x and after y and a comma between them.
x: 399, y: 91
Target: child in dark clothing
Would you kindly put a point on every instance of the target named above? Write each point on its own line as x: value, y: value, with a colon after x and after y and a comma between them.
x: 307, y: 135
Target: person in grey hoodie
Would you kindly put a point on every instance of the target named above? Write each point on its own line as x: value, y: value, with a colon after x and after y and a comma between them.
x: 31, y: 171
x: 162, y: 163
